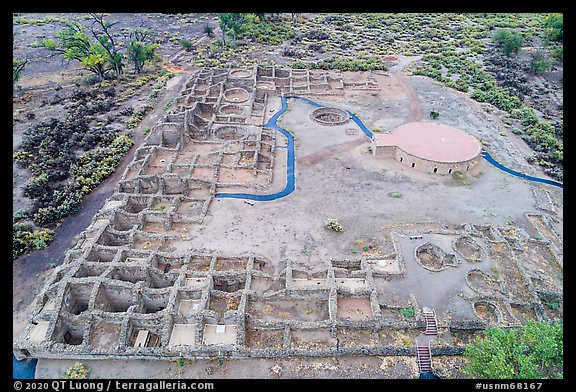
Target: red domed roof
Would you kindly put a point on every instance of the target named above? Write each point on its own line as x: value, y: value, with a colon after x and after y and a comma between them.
x: 432, y: 141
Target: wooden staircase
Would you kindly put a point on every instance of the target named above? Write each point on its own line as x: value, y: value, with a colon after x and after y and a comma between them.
x: 423, y: 352
x: 424, y: 358
x: 431, y: 323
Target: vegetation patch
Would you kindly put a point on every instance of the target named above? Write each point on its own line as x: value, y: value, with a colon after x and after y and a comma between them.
x: 77, y: 371
x: 533, y: 351
x: 25, y: 239
x: 333, y: 224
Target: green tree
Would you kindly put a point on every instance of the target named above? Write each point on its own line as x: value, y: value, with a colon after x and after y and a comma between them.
x: 225, y: 20
x: 509, y: 41
x: 235, y: 22
x: 75, y: 44
x: 141, y: 52
x: 17, y: 68
x: 554, y: 27
x: 533, y: 351
x: 106, y: 40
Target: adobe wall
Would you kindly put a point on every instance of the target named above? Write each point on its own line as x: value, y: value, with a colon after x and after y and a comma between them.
x: 420, y: 164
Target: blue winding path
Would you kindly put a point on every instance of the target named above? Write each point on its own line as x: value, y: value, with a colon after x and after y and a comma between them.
x: 290, y: 181
x: 289, y: 188
x: 489, y: 158
x: 24, y: 369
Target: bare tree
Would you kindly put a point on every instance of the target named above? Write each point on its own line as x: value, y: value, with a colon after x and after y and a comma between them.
x: 107, y: 41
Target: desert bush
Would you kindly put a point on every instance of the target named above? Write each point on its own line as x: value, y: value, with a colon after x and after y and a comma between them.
x: 344, y: 64
x: 408, y: 312
x: 540, y: 62
x: 333, y: 224
x: 554, y: 27
x: 533, y: 351
x: 21, y: 156
x: 36, y: 186
x: 25, y: 239
x: 509, y: 41
x: 558, y: 53
x: 19, y: 215
x: 209, y: 30
x: 268, y: 33
x: 77, y: 371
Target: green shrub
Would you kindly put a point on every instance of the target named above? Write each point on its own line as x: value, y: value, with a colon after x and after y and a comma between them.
x: 36, y: 186
x: 209, y: 30
x: 533, y: 351
x: 544, y: 135
x: 21, y: 156
x: 540, y: 62
x: 526, y: 114
x: 95, y: 166
x: 344, y: 64
x: 20, y: 214
x: 509, y: 41
x: 460, y: 178
x: 25, y: 239
x: 333, y: 224
x: 554, y: 25
x: 558, y: 53
x: 408, y: 312
x: 552, y: 305
x: 268, y: 33
x: 46, y: 215
x: 434, y: 114
x: 77, y: 371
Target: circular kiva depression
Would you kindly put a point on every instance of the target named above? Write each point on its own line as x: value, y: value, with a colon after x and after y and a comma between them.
x: 468, y: 249
x: 431, y: 147
x: 433, y: 258
x: 232, y: 110
x: 265, y: 85
x: 236, y: 94
x: 230, y: 132
x: 330, y: 116
x: 487, y: 311
x: 240, y: 73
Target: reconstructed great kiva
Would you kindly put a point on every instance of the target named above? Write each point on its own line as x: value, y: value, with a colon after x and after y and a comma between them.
x: 428, y: 147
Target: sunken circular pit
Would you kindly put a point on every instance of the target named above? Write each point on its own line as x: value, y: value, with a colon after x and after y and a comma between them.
x: 330, y: 116
x: 236, y: 94
x: 469, y: 249
x: 230, y: 132
x: 240, y: 73
x: 433, y: 258
x: 483, y: 283
x: 487, y: 311
x: 232, y: 110
x: 265, y: 85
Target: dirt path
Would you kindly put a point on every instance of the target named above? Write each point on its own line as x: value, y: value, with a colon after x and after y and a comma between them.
x: 415, y: 113
x: 27, y: 270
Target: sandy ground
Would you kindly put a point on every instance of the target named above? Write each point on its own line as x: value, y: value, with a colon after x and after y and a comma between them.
x: 301, y: 368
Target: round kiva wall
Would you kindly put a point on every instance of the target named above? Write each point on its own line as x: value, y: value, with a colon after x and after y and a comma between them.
x: 429, y: 147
